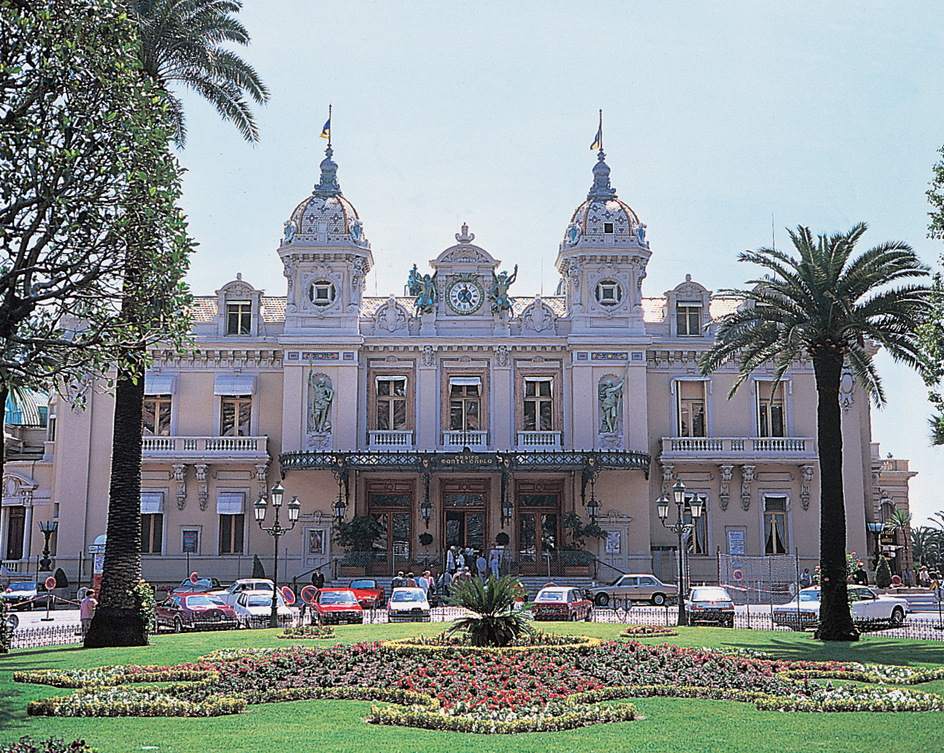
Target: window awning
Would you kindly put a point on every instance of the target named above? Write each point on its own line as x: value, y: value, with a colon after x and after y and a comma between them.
x: 152, y: 503
x: 235, y: 384
x: 466, y: 381
x: 160, y: 384
x: 230, y: 503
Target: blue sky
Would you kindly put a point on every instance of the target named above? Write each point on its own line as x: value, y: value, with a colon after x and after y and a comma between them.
x: 723, y: 124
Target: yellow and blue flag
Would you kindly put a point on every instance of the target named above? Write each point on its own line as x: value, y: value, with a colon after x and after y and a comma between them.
x: 598, y: 141
x: 326, y: 130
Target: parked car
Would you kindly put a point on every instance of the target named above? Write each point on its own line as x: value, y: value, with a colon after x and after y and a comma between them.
x: 710, y: 604
x: 202, y: 586
x: 866, y: 607
x: 557, y: 603
x: 336, y: 605
x: 23, y: 594
x: 634, y: 587
x: 368, y: 594
x: 408, y: 605
x: 231, y: 594
x: 253, y: 608
x: 181, y: 612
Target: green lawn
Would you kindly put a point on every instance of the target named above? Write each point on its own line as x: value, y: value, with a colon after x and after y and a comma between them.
x: 668, y: 724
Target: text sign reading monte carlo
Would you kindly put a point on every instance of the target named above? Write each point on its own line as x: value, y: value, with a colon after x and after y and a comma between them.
x: 471, y: 461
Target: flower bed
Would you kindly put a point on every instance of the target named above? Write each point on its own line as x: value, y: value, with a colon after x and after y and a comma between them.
x: 648, y: 630
x: 441, y: 684
x: 308, y: 632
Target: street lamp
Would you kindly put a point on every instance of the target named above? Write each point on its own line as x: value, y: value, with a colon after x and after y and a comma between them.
x: 426, y: 509
x: 876, y: 527
x: 48, y: 527
x: 276, y: 531
x: 680, y: 528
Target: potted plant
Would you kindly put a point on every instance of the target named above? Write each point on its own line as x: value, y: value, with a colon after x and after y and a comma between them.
x: 357, y: 537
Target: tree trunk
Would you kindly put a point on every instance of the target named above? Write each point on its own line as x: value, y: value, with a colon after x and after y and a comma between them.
x: 117, y: 621
x: 4, y: 392
x: 835, y: 618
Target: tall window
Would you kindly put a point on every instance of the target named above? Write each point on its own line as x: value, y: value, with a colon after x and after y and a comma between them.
x: 464, y: 404
x: 235, y: 412
x: 698, y: 539
x: 152, y: 533
x: 538, y: 405
x: 691, y: 409
x: 16, y: 529
x: 157, y: 415
x: 391, y: 403
x: 775, y: 525
x: 231, y: 533
x: 688, y: 320
x: 239, y: 318
x: 770, y: 421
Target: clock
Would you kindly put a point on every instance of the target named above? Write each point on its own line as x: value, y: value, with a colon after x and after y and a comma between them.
x: 465, y: 296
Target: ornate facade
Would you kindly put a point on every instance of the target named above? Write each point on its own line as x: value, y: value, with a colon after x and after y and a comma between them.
x: 461, y: 413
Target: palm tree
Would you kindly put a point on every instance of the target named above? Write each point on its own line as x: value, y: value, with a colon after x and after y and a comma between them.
x: 900, y: 520
x: 494, y: 620
x: 179, y: 41
x: 833, y: 307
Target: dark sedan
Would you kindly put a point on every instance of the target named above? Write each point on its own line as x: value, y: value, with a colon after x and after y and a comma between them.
x: 181, y: 612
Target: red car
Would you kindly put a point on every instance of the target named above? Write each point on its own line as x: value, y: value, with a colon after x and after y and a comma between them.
x: 368, y: 594
x: 181, y: 612
x: 336, y: 605
x: 560, y: 603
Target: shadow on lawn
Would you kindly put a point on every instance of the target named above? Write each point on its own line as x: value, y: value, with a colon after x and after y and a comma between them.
x: 869, y: 649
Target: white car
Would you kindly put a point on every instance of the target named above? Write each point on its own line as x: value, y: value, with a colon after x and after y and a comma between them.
x: 408, y: 605
x: 246, y: 585
x: 867, y: 608
x: 254, y: 608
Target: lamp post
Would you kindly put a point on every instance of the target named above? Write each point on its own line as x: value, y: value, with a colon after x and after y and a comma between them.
x: 48, y: 527
x: 276, y: 531
x: 680, y: 528
x: 876, y: 527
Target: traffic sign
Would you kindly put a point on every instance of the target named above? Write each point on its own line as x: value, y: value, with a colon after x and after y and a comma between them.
x: 194, y: 578
x: 738, y: 575
x: 289, y: 595
x: 308, y: 594
x: 50, y: 583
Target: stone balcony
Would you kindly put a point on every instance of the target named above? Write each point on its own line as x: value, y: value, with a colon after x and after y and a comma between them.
x: 456, y: 440
x: 391, y: 440
x: 209, y: 449
x: 539, y: 440
x: 738, y: 449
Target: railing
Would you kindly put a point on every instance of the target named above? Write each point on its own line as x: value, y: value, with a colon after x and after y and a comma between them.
x: 529, y: 440
x: 397, y: 440
x: 476, y: 439
x: 792, y: 448
x: 204, y: 446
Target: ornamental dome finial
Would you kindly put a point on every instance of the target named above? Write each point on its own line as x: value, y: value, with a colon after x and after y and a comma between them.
x: 328, y: 185
x: 601, y: 188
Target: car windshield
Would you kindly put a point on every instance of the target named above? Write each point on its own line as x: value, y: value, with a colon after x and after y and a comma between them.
x: 23, y: 585
x: 363, y: 584
x: 551, y: 596
x: 710, y: 594
x: 407, y: 596
x: 259, y: 600
x: 337, y: 597
x: 200, y: 600
x: 809, y: 595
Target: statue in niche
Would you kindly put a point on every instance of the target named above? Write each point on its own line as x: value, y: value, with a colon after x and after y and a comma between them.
x: 357, y: 228
x: 610, y: 394
x: 498, y: 294
x: 423, y: 287
x: 573, y: 233
x: 320, y: 397
x: 289, y: 231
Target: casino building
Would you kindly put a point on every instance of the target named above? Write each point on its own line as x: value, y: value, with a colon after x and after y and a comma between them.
x: 460, y: 414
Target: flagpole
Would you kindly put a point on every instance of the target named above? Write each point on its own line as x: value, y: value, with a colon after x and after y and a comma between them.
x: 601, y: 130
x: 331, y: 128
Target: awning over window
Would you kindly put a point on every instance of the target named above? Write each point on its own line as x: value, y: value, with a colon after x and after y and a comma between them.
x: 152, y: 503
x: 230, y: 503
x: 465, y: 381
x: 235, y: 384
x: 160, y: 384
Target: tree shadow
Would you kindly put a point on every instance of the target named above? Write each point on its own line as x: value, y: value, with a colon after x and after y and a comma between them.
x: 869, y: 649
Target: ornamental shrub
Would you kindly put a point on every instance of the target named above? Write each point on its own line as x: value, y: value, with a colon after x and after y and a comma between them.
x: 883, y: 573
x: 494, y: 621
x: 28, y: 745
x: 258, y: 571
x: 6, y: 634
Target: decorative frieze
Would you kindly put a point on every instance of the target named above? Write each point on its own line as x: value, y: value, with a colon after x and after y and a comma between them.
x: 747, y: 476
x: 180, y: 476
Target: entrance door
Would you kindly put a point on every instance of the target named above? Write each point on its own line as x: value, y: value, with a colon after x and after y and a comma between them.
x: 465, y: 504
x: 539, y: 525
x: 390, y: 503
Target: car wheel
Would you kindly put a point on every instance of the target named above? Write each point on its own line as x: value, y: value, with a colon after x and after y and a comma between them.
x: 658, y: 599
x: 602, y: 599
x: 589, y: 617
x: 12, y: 621
x: 898, y: 617
x: 729, y: 623
x: 178, y: 626
x: 573, y: 616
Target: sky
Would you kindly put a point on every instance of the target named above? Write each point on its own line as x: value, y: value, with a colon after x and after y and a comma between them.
x: 724, y: 124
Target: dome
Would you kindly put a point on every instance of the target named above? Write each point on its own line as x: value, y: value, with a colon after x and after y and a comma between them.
x: 603, y: 219
x: 325, y: 217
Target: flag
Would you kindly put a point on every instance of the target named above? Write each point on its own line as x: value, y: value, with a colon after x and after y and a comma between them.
x: 326, y: 130
x: 598, y: 140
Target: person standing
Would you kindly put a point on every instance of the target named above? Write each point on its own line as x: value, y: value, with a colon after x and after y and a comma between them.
x: 410, y: 581
x: 451, y: 560
x: 398, y: 581
x: 481, y: 566
x: 494, y: 562
x: 317, y: 579
x: 806, y: 580
x: 460, y: 561
x: 87, y: 610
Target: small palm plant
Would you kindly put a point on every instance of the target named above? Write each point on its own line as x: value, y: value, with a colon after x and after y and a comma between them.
x: 495, y: 621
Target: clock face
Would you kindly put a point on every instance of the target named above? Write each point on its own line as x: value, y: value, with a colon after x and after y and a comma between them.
x: 465, y: 296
